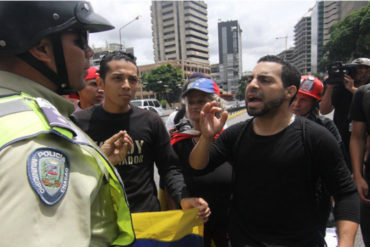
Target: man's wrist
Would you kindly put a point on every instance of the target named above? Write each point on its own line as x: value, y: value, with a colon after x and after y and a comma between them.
x: 207, y: 138
x: 357, y: 175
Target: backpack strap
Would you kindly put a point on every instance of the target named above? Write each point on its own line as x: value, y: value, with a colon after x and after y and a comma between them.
x: 235, y: 154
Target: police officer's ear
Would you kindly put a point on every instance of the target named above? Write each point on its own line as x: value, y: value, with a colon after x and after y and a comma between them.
x: 291, y: 91
x: 43, y: 51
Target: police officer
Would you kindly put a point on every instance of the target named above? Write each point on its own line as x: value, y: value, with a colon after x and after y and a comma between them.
x: 56, y: 187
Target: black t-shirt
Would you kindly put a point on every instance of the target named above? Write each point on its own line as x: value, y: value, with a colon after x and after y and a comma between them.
x: 151, y: 144
x: 213, y: 185
x: 341, y: 100
x: 274, y: 197
x: 360, y: 111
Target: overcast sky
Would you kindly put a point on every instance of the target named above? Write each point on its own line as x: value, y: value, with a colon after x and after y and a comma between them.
x: 261, y: 21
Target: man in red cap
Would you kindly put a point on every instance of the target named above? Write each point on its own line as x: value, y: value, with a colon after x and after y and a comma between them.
x: 92, y: 93
x: 306, y: 104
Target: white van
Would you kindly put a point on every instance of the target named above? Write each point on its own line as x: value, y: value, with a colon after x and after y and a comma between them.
x: 148, y: 104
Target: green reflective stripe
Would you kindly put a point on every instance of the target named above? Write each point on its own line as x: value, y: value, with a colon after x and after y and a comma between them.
x: 64, y: 132
x: 22, y: 124
x: 19, y: 125
x: 124, y: 221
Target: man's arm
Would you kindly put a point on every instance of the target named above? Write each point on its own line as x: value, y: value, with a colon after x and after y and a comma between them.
x: 346, y: 233
x: 199, y: 156
x: 210, y: 125
x: 338, y: 181
x: 357, y: 148
x: 326, y: 105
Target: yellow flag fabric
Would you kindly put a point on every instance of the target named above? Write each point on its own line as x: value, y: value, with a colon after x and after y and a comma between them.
x: 175, y: 228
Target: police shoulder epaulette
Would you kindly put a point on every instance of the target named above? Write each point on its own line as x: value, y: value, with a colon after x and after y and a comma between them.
x: 23, y: 117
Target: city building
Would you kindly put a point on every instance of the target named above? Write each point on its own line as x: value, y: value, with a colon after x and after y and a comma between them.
x: 324, y: 15
x: 230, y: 55
x: 187, y: 67
x: 335, y: 11
x: 287, y: 55
x: 302, y: 44
x: 180, y: 31
x: 317, y: 35
x: 109, y: 47
x: 312, y: 32
x: 215, y: 73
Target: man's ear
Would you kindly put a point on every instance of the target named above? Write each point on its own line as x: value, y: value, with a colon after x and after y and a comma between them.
x: 291, y: 91
x: 43, y: 51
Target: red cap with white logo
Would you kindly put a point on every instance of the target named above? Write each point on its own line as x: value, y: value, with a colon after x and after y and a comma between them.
x: 311, y: 86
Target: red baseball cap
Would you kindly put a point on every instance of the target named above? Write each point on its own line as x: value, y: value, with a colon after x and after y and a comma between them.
x: 92, y: 73
x: 311, y: 86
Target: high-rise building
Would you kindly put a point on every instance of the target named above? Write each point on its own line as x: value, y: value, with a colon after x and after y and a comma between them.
x: 311, y: 33
x: 335, y: 11
x: 180, y: 31
x: 317, y: 35
x: 302, y: 43
x: 287, y: 55
x: 230, y: 55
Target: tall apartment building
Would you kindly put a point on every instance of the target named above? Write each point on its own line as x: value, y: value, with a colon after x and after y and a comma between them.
x: 335, y: 11
x: 302, y: 44
x: 287, y: 55
x: 312, y: 32
x: 230, y: 55
x: 180, y: 31
x: 317, y: 35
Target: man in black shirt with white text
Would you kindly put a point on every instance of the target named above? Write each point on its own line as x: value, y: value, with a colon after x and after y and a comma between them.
x: 151, y: 143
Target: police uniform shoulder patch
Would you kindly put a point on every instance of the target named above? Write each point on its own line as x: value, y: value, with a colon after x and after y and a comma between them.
x: 48, y: 173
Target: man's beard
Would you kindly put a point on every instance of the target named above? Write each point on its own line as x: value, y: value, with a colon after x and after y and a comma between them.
x: 270, y: 107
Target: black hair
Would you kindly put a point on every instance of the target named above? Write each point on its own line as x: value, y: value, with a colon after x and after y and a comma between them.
x: 289, y: 74
x: 115, y: 55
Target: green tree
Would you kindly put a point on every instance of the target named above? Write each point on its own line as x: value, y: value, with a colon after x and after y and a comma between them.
x: 240, y: 94
x: 166, y: 81
x: 349, y: 38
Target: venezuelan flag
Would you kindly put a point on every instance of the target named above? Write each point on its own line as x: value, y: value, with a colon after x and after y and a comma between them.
x: 175, y: 228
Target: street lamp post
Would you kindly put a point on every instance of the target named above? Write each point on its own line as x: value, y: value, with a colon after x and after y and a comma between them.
x: 120, y: 29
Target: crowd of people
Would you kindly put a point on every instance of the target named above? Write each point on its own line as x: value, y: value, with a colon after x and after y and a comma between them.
x: 76, y: 158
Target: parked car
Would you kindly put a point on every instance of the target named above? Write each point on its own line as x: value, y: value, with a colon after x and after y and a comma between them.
x: 148, y: 104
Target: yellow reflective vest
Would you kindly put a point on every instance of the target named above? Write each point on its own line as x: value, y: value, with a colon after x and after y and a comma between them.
x: 25, y: 119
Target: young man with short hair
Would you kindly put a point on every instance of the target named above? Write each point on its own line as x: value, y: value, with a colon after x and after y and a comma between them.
x: 277, y: 160
x: 119, y: 79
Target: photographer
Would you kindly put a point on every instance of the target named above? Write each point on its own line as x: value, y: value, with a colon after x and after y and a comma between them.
x: 339, y: 92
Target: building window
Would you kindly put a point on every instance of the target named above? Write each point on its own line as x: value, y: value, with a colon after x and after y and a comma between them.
x: 167, y: 12
x: 195, y: 30
x: 166, y: 5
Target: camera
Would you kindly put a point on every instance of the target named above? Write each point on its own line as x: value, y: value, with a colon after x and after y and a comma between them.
x: 337, y: 70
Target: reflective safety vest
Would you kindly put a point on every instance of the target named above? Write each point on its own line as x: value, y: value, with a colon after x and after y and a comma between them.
x: 41, y: 117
